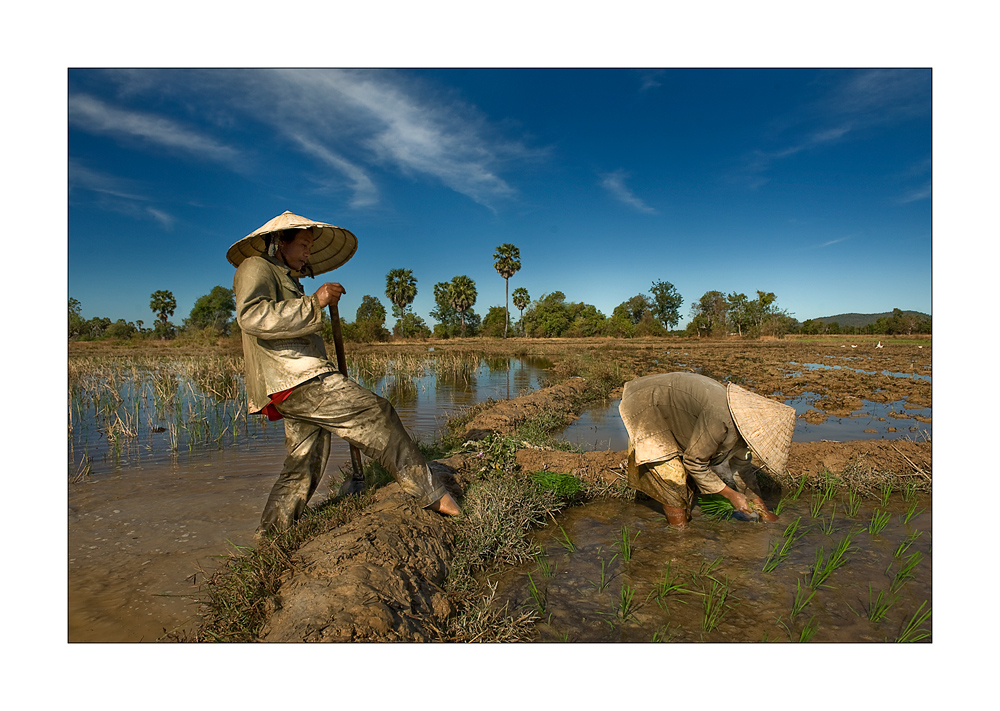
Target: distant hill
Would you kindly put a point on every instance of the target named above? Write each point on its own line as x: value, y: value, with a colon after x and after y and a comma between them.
x: 860, y: 320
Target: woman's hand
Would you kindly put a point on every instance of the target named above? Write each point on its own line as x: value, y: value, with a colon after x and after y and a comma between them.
x: 329, y: 293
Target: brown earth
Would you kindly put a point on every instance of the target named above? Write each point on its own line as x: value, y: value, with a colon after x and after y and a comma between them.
x: 379, y: 577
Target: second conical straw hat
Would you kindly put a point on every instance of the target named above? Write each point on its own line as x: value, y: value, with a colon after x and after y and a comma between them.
x: 766, y: 425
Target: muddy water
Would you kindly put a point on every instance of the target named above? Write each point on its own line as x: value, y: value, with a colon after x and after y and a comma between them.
x: 150, y: 521
x: 579, y: 593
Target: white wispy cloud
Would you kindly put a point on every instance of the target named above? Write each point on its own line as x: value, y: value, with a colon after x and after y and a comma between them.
x: 614, y: 183
x: 364, y: 191
x: 90, y: 114
x: 834, y: 241
x: 377, y: 119
x: 921, y: 193
x: 115, y: 194
x: 862, y: 100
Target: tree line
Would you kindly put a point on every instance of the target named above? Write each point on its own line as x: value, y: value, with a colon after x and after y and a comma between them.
x: 652, y: 313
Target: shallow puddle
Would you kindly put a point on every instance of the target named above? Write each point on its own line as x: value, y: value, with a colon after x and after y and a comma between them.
x: 601, y: 427
x: 707, y: 583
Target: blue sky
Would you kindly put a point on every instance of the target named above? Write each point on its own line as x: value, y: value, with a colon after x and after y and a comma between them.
x: 814, y: 184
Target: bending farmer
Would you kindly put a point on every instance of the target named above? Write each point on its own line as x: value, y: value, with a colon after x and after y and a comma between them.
x: 288, y: 374
x: 684, y: 425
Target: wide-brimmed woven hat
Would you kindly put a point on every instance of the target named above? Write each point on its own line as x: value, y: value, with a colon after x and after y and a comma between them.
x: 332, y: 246
x: 766, y: 426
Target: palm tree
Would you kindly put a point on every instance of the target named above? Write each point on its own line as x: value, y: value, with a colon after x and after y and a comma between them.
x: 401, y: 290
x: 521, y: 300
x: 508, y: 261
x: 462, y: 292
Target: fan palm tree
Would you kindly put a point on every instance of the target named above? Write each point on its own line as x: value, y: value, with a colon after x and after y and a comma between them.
x: 462, y: 292
x: 521, y: 300
x: 401, y: 290
x: 507, y: 262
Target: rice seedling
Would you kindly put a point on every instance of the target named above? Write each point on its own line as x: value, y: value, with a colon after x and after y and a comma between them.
x: 625, y: 544
x: 626, y: 608
x: 667, y: 587
x: 714, y: 604
x: 716, y: 507
x: 664, y: 635
x: 853, y: 504
x: 781, y: 505
x: 913, y: 630
x: 803, y: 596
x: 780, y: 549
x: 544, y: 567
x: 909, y: 492
x: 905, y: 572
x: 801, y: 487
x: 878, y: 605
x: 912, y: 511
x: 824, y: 567
x: 827, y: 526
x: 879, y: 520
x: 906, y: 543
x: 808, y: 630
x: 884, y: 493
x: 564, y: 539
x: 602, y: 583
x: 537, y: 596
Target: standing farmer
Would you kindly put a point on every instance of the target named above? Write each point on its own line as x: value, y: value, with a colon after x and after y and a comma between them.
x: 288, y: 374
x: 684, y: 425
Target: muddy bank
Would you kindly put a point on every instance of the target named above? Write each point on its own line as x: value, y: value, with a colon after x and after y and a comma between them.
x: 381, y: 576
x: 377, y: 578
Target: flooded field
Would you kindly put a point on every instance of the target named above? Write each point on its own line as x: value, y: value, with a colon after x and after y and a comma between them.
x: 168, y: 475
x: 613, y: 571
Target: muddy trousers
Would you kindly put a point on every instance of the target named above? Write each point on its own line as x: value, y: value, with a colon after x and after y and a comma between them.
x: 333, y: 404
x: 667, y: 482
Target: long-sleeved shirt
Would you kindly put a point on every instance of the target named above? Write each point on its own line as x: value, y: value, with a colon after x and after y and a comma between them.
x: 282, y: 345
x: 684, y: 414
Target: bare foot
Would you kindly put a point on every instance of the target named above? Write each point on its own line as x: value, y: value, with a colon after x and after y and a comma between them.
x: 446, y: 505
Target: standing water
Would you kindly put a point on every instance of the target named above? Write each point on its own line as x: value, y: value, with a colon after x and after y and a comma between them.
x: 168, y: 474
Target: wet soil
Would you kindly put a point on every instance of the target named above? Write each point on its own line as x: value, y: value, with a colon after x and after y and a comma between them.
x: 378, y: 578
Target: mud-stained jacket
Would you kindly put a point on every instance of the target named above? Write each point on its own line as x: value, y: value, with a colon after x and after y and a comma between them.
x: 282, y: 345
x: 684, y: 414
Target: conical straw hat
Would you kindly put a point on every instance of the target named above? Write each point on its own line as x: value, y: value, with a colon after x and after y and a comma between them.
x: 766, y: 426
x: 332, y: 246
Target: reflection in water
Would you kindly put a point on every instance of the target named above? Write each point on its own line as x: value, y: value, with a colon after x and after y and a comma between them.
x: 601, y: 427
x: 154, y: 512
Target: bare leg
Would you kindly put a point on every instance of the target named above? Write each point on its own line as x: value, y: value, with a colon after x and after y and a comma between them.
x: 676, y: 516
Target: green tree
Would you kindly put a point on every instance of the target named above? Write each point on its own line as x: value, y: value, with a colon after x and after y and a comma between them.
x: 708, y: 314
x: 412, y: 326
x: 739, y: 312
x: 494, y: 322
x: 666, y: 303
x: 449, y: 321
x: 507, y: 262
x: 369, y: 321
x: 462, y: 294
x: 401, y: 290
x: 521, y: 300
x: 634, y: 309
x: 214, y: 310
x: 75, y: 318
x: 162, y: 303
x: 547, y: 317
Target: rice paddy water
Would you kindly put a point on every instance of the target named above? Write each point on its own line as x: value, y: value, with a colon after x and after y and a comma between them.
x: 168, y: 473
